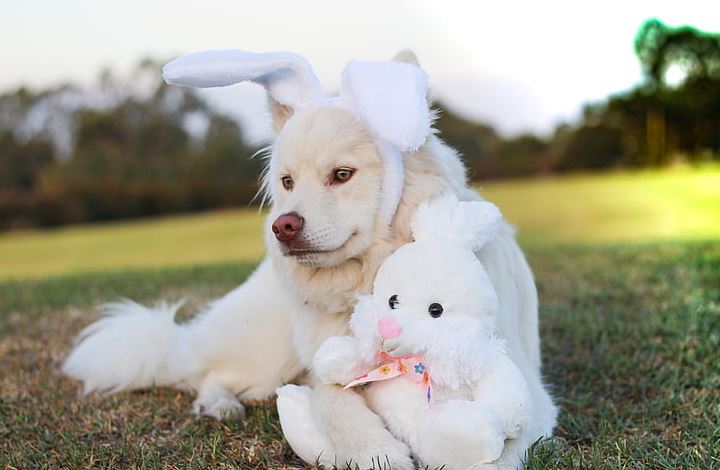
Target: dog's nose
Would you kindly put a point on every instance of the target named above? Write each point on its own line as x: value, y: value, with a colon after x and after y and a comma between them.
x: 287, y: 226
x: 389, y: 328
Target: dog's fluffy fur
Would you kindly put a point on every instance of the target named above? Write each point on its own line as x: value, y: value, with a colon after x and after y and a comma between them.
x: 479, y: 397
x: 264, y: 333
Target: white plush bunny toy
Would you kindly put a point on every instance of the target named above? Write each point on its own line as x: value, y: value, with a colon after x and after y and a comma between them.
x: 424, y: 344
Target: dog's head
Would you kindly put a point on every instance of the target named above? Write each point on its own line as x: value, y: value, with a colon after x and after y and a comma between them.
x: 325, y: 178
x: 336, y: 173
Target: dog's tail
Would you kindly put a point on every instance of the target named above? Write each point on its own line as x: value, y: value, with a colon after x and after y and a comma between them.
x: 133, y: 347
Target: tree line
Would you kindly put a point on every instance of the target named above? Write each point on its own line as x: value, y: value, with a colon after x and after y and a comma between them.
x: 674, y: 114
x: 137, y: 147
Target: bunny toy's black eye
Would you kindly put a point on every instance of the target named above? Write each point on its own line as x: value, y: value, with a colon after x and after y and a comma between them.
x: 435, y: 310
x: 393, y: 302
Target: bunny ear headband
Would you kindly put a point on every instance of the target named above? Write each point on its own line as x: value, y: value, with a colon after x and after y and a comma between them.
x: 389, y: 98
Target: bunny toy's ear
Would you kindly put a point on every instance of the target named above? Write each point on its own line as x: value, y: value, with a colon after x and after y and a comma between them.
x: 288, y: 77
x: 471, y: 223
x: 390, y: 98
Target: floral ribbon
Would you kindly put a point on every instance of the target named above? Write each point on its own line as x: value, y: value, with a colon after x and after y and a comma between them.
x: 410, y: 366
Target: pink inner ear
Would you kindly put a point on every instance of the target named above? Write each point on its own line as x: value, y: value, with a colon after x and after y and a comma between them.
x: 389, y: 328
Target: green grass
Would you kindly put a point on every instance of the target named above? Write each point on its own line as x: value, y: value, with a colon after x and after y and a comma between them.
x: 631, y: 343
x: 222, y: 236
x: 615, y: 207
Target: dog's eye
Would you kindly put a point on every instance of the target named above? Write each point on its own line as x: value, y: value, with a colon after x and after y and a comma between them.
x: 342, y: 175
x: 287, y: 182
x: 393, y: 302
x: 435, y: 310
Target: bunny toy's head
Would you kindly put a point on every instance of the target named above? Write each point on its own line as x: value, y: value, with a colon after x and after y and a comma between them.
x: 433, y: 297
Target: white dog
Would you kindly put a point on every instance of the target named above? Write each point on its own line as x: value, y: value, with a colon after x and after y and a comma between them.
x: 425, y: 345
x: 344, y: 180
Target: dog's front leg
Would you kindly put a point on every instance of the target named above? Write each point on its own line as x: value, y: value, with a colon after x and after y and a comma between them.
x: 358, y: 436
x: 215, y: 400
x: 242, y: 346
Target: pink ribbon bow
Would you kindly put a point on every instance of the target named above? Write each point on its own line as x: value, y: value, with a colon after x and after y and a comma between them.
x: 410, y: 366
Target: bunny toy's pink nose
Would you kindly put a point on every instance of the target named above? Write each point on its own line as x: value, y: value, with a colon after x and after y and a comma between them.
x: 389, y: 328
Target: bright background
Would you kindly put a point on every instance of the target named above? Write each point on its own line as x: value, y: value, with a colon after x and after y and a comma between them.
x: 522, y: 66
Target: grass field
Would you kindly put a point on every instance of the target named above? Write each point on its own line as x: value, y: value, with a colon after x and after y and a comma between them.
x: 630, y: 324
x: 631, y: 346
x: 681, y: 204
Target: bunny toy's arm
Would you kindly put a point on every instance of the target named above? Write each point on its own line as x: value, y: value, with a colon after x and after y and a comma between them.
x: 466, y: 433
x: 503, y: 389
x: 340, y: 359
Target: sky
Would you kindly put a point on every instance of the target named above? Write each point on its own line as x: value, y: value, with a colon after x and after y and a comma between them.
x: 522, y: 66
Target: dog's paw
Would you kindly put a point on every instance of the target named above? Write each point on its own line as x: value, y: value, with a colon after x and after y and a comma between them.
x: 220, y: 407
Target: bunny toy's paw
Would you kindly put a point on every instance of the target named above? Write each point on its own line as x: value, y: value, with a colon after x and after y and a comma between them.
x: 336, y: 360
x: 460, y: 434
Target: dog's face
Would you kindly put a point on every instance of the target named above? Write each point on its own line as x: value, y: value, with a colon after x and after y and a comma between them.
x: 325, y: 180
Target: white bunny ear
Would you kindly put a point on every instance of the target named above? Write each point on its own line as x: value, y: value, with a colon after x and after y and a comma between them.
x: 288, y: 77
x: 391, y: 99
x: 471, y: 223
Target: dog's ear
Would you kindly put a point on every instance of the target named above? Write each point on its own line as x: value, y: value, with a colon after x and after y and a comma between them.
x: 280, y: 114
x: 288, y: 78
x: 406, y: 56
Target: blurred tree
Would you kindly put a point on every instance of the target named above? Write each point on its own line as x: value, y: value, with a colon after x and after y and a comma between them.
x: 224, y: 174
x: 521, y: 156
x: 678, y: 107
x: 152, y: 149
x: 22, y: 163
x: 476, y: 142
x: 628, y: 114
x: 591, y: 148
x: 686, y: 51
